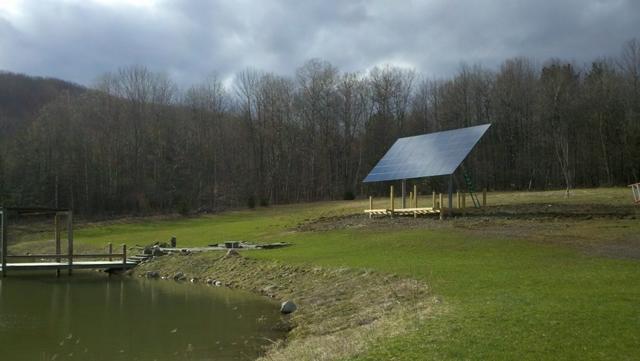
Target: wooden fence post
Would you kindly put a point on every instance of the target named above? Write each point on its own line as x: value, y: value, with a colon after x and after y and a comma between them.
x: 57, y: 238
x: 110, y: 248
x: 124, y: 257
x: 370, y: 205
x: 3, y: 241
x: 391, y: 197
x: 70, y: 239
x: 434, y: 200
x: 415, y: 196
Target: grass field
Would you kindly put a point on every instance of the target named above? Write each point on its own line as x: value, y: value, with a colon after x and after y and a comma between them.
x: 509, y: 288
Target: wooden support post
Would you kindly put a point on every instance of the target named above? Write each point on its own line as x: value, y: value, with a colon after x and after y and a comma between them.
x: 440, y: 206
x: 110, y: 248
x: 4, y: 240
x: 415, y: 196
x: 124, y: 257
x: 414, y: 201
x: 392, y: 200
x: 410, y: 199
x: 434, y: 200
x: 458, y: 200
x: 404, y: 193
x: 450, y: 206
x: 57, y: 238
x: 464, y: 200
x: 370, y: 205
x: 70, y: 239
x: 484, y: 197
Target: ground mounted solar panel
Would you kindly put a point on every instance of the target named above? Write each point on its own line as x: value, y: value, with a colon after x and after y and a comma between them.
x: 427, y: 155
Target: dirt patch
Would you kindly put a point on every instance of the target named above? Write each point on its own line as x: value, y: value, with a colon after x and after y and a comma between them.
x: 603, y: 230
x: 555, y: 210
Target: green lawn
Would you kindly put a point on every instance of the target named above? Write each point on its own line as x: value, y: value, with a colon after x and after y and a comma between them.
x: 502, y: 298
x: 506, y: 299
x: 262, y: 224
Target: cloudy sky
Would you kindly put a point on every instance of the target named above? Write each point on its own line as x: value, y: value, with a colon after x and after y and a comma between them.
x: 78, y: 40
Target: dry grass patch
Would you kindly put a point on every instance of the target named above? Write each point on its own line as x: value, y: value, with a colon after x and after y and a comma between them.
x: 340, y: 311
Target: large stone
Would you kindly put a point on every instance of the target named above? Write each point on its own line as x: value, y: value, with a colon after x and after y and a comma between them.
x: 179, y: 276
x: 156, y: 252
x: 152, y: 274
x: 288, y: 307
x: 232, y: 253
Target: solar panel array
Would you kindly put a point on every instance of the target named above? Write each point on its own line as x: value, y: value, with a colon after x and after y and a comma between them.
x: 427, y: 155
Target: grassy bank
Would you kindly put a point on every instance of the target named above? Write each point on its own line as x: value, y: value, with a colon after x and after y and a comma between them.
x: 341, y: 312
x: 535, y: 276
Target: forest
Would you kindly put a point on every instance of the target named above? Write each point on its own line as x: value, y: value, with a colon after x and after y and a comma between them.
x: 136, y: 142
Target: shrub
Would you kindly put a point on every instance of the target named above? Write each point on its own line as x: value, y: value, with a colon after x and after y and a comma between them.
x: 184, y: 208
x: 348, y: 196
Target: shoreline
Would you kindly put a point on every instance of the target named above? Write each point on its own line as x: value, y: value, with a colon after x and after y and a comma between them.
x: 341, y: 312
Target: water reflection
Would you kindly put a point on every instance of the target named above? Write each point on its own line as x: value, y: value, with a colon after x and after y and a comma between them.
x: 91, y: 316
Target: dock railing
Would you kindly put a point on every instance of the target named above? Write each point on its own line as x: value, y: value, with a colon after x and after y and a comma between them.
x: 60, y: 261
x: 58, y: 258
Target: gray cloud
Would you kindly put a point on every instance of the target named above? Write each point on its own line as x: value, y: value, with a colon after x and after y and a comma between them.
x: 79, y: 40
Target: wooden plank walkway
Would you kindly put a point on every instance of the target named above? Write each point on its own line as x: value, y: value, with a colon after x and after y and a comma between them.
x: 402, y: 211
x: 33, y: 266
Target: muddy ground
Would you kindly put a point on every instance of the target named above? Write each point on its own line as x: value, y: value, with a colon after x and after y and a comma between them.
x: 604, y: 230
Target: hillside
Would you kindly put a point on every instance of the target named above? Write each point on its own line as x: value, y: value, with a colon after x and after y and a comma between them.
x: 22, y: 96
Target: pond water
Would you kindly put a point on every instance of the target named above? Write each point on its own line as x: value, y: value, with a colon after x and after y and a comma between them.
x: 90, y: 316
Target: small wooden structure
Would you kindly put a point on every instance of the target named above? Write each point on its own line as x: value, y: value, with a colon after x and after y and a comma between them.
x: 412, y: 210
x: 437, y: 205
x: 58, y: 261
x: 635, y: 189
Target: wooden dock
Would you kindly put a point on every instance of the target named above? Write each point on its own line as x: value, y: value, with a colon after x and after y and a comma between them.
x: 38, y: 262
x: 58, y: 261
x: 57, y: 266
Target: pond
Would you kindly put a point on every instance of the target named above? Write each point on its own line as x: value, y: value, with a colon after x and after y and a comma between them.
x: 90, y: 316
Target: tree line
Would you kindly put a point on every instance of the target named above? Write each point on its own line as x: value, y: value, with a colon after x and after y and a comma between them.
x: 135, y: 142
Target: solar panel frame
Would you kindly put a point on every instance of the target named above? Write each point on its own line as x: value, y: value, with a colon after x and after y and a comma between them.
x: 427, y: 155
